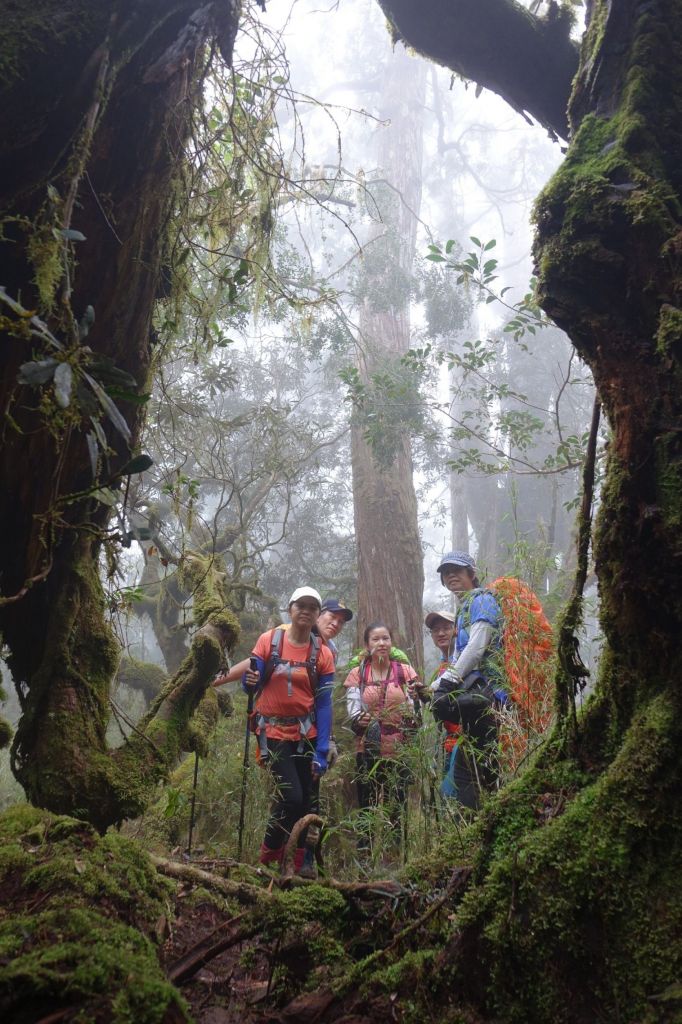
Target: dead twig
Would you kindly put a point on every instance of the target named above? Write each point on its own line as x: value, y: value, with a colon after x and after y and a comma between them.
x: 231, y: 933
x: 458, y: 880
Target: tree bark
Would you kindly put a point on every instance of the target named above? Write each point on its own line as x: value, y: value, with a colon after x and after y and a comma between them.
x: 528, y: 61
x: 389, y: 551
x: 95, y: 110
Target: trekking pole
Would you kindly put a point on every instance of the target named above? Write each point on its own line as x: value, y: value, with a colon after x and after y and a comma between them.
x: 193, y: 805
x: 253, y: 665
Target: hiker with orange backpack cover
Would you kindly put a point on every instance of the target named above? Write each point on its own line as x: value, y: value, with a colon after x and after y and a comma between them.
x: 293, y: 680
x: 380, y: 700
x: 469, y: 690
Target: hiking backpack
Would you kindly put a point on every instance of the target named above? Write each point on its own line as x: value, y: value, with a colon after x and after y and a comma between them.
x: 527, y: 645
x: 310, y: 664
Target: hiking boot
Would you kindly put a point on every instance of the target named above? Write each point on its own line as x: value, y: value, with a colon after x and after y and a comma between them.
x: 308, y: 868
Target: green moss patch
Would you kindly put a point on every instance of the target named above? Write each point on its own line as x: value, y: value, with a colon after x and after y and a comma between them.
x: 77, y: 924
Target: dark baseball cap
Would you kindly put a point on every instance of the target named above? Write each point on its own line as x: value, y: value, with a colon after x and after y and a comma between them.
x: 338, y: 607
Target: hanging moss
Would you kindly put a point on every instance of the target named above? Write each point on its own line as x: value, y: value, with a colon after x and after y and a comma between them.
x: 77, y: 924
x: 203, y: 723
x: 204, y: 578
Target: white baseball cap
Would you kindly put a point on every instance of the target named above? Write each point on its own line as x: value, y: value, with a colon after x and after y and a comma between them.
x: 304, y: 592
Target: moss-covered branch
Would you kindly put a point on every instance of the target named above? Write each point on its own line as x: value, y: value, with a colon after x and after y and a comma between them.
x: 528, y: 61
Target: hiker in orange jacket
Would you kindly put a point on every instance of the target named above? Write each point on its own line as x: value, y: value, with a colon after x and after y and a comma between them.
x: 330, y: 622
x: 293, y: 680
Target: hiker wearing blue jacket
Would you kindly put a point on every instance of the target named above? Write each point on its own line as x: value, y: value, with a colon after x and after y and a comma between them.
x: 466, y: 693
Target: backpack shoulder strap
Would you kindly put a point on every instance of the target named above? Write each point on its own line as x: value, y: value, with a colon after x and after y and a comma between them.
x: 276, y: 644
x: 400, y: 673
x: 362, y: 667
x: 312, y: 664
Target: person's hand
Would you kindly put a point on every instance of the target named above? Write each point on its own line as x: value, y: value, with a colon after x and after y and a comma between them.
x: 449, y: 681
x: 416, y: 688
x: 250, y: 679
x: 332, y: 754
x: 319, y: 765
x: 360, y: 723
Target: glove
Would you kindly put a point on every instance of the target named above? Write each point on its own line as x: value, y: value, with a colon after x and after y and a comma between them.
x: 332, y: 753
x: 449, y: 682
x: 319, y: 763
x: 502, y: 698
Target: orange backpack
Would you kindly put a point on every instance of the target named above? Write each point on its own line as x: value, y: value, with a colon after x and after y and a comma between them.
x: 528, y: 648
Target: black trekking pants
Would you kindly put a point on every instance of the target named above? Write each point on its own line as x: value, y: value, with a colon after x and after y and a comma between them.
x: 474, y: 766
x: 296, y: 794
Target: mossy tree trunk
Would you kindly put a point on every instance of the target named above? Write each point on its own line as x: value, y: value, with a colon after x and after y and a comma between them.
x: 96, y: 106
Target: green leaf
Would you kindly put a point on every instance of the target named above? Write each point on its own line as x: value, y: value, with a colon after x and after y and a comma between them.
x: 137, y: 465
x: 93, y: 451
x: 141, y: 533
x: 128, y: 396
x: 114, y: 415
x: 37, y: 372
x: 435, y: 257
x: 99, y: 433
x: 476, y: 241
x: 106, y: 372
x: 63, y: 382
x: 86, y: 322
x: 449, y: 245
x: 489, y: 245
x: 70, y: 235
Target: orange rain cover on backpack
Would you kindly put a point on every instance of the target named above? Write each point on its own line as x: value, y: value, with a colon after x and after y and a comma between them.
x: 528, y: 648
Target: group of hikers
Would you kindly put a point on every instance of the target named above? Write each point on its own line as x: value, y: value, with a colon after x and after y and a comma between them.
x: 290, y: 678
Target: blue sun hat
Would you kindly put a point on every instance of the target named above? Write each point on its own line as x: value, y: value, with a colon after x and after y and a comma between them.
x: 460, y: 558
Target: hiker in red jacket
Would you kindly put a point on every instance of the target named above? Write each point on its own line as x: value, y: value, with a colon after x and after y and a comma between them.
x: 293, y: 714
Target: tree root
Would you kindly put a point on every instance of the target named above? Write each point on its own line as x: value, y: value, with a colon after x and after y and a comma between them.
x: 252, y: 895
x: 287, y: 869
x: 243, y: 892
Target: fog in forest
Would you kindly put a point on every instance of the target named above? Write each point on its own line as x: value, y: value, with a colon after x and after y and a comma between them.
x: 285, y: 404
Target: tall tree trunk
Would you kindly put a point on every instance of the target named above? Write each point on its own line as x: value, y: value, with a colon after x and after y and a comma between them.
x: 459, y: 520
x: 390, y: 558
x: 95, y: 110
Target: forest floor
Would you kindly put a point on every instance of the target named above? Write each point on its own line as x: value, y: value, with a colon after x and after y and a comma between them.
x: 231, y: 987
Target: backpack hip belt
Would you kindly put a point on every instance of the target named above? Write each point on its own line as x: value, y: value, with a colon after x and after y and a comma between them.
x: 304, y: 723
